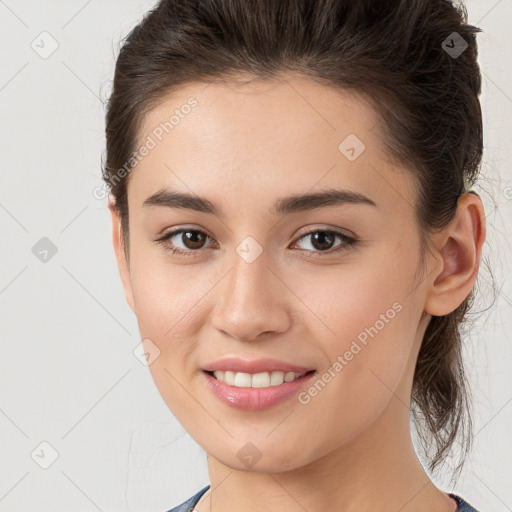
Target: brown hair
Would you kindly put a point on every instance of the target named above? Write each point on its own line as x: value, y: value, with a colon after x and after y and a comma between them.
x: 394, y: 52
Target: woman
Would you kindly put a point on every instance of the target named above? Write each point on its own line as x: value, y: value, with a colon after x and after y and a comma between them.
x: 295, y: 234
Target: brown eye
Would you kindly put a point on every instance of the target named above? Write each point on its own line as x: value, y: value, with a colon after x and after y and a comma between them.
x: 323, y: 241
x: 191, y: 240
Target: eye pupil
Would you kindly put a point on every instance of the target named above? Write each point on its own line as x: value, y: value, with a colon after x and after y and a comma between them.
x: 321, y: 236
x: 196, y: 239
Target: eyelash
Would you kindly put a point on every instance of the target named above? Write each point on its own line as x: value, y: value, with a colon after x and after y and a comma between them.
x: 349, y: 242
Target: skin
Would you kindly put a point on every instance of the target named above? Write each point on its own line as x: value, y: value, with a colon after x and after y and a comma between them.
x: 243, y: 147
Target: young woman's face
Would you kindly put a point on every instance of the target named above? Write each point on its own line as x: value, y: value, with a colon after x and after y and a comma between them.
x: 270, y: 277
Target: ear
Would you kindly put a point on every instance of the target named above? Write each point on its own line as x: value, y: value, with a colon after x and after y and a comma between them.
x: 458, y: 250
x: 122, y: 262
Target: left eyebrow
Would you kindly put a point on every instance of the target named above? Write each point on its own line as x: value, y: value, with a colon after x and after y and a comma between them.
x: 330, y: 197
x: 291, y: 204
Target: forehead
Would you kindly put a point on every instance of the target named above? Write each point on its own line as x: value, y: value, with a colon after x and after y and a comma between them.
x: 265, y: 135
x: 289, y: 106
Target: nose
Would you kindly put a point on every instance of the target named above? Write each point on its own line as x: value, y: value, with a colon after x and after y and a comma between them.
x: 251, y: 301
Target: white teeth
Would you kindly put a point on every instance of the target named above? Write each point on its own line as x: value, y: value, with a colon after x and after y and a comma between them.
x: 257, y: 380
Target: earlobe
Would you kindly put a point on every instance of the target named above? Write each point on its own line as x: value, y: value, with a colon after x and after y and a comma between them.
x: 459, y: 249
x: 122, y: 262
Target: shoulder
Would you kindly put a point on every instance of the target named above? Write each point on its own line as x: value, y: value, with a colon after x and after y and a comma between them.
x: 187, y: 506
x: 463, y: 506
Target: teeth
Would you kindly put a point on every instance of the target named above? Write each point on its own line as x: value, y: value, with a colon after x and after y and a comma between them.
x: 257, y: 380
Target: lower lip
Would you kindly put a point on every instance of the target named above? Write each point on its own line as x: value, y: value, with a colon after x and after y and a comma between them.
x: 256, y: 399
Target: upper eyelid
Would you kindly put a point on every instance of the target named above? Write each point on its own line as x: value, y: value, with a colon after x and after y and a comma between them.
x: 178, y: 231
x: 339, y: 231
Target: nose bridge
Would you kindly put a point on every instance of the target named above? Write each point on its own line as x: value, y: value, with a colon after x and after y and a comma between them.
x: 250, y: 279
x: 247, y: 304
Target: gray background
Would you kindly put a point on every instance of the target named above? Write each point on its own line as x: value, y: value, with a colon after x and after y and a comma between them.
x: 68, y: 374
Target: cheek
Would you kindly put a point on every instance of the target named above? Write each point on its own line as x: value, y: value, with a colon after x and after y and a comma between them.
x: 165, y: 294
x: 171, y: 304
x: 345, y: 300
x: 366, y: 361
x: 366, y: 320
x: 170, y: 309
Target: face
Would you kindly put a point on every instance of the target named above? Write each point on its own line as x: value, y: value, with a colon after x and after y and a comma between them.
x: 328, y: 285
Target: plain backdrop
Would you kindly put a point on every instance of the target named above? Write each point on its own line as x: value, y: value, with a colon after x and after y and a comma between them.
x: 82, y: 426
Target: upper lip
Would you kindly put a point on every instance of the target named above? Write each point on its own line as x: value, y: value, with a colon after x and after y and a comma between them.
x: 237, y: 364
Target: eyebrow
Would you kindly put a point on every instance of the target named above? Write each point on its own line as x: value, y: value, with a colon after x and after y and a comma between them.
x: 291, y: 204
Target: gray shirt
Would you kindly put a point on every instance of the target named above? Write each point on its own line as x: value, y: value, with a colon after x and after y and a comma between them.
x: 188, y: 506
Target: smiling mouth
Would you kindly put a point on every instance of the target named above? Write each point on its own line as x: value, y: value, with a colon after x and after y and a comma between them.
x: 258, y: 380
